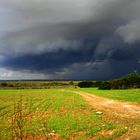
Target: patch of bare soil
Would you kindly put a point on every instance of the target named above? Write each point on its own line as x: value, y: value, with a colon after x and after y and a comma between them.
x: 127, y: 109
x: 125, y: 113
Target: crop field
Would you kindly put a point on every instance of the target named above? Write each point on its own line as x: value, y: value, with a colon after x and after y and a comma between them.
x: 132, y: 95
x: 52, y: 114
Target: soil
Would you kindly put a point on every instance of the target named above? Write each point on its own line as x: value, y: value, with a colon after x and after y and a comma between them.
x: 126, y: 113
x: 127, y: 109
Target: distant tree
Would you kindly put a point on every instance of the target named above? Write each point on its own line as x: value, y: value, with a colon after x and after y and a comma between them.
x: 85, y: 84
x: 132, y: 77
x: 105, y: 85
x: 4, y: 84
x: 71, y: 83
x: 131, y: 80
x: 97, y: 83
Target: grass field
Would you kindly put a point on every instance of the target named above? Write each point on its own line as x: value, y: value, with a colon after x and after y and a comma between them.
x: 132, y: 95
x: 44, y: 114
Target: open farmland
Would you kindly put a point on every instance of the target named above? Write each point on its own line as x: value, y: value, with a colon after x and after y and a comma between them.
x: 59, y: 114
x: 52, y: 114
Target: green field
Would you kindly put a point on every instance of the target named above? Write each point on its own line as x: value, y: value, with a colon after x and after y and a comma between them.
x: 132, y: 95
x: 36, y: 114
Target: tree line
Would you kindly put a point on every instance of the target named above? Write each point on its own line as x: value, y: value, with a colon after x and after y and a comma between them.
x: 129, y: 81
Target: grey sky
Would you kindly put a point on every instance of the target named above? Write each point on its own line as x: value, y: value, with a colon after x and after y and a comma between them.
x: 54, y: 38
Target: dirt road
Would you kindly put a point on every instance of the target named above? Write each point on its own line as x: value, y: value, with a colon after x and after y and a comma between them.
x: 127, y: 109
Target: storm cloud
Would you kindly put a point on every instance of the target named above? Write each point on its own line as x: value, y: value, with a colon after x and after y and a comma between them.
x: 77, y: 39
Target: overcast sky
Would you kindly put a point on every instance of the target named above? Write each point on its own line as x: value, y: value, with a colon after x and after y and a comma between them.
x: 75, y: 39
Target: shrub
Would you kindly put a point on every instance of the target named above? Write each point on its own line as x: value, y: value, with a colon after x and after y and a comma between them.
x: 85, y: 84
x: 106, y: 85
x: 4, y: 84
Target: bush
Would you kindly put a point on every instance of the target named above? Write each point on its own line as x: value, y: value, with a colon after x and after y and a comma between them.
x: 85, y: 84
x: 105, y: 85
x: 129, y: 81
x: 4, y: 84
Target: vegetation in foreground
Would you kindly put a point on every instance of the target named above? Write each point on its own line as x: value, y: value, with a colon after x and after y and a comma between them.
x: 43, y: 114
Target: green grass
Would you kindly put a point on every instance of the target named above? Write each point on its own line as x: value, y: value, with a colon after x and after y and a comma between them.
x: 25, y: 113
x: 132, y: 95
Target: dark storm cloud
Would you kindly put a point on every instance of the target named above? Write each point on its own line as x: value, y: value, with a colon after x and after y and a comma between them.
x: 76, y: 39
x: 112, y: 48
x: 47, y: 61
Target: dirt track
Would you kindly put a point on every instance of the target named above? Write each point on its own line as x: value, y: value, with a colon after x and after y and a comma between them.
x: 127, y: 109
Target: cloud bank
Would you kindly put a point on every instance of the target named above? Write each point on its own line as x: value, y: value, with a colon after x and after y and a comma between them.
x: 77, y: 39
